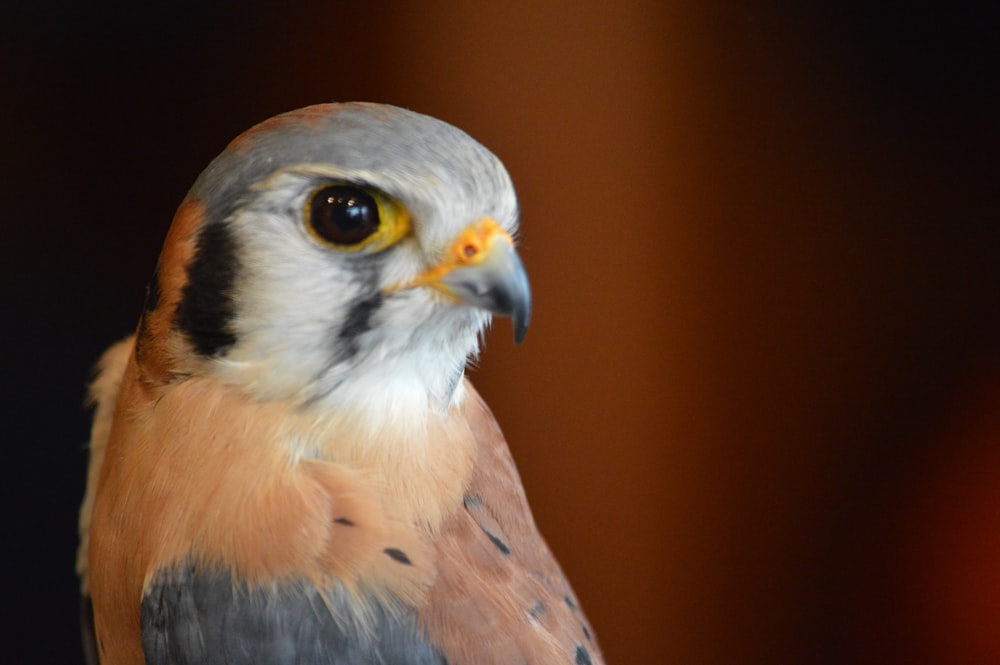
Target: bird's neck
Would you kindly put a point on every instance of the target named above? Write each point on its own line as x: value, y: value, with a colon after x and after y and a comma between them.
x: 420, y: 457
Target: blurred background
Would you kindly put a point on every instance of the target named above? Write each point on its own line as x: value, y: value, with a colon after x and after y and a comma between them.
x: 758, y: 410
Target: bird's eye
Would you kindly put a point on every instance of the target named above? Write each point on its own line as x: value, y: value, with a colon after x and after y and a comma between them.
x: 343, y: 214
x: 351, y: 218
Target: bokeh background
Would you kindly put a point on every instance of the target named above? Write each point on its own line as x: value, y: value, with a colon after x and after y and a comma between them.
x: 758, y: 411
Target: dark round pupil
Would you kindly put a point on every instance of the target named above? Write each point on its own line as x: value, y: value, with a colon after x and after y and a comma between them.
x: 343, y: 215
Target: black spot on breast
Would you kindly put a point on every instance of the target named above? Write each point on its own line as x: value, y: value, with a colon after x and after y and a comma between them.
x: 398, y: 555
x: 582, y: 655
x: 586, y: 633
x: 537, y: 610
x: 474, y: 505
x: 499, y: 544
x: 569, y: 603
x: 206, y: 309
x: 344, y: 521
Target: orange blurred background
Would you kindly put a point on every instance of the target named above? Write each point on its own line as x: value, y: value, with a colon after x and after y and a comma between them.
x: 756, y: 412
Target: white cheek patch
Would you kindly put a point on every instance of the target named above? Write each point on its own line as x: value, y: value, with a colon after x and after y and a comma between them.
x: 292, y: 295
x: 313, y: 326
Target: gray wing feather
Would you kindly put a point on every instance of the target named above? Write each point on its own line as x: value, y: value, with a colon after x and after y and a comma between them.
x: 202, y: 617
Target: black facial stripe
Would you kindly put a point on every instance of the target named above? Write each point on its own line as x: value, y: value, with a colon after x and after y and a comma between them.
x: 358, y: 322
x: 359, y: 316
x: 206, y: 308
x: 345, y: 340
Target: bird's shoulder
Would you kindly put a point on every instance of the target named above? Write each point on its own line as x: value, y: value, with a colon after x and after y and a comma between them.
x: 103, y: 397
x: 499, y: 594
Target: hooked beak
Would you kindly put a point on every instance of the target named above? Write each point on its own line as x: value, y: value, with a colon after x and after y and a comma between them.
x: 482, y: 270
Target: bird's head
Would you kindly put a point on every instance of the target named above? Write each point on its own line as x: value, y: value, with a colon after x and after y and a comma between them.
x: 342, y: 254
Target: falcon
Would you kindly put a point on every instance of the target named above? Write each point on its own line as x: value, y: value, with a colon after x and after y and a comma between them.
x: 288, y: 464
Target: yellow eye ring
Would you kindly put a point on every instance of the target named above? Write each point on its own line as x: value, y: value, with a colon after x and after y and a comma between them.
x: 354, y: 218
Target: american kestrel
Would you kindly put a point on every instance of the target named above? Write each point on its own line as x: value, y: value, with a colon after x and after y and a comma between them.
x: 288, y: 465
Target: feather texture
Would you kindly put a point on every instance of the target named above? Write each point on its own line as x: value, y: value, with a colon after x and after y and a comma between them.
x: 287, y: 464
x: 500, y: 596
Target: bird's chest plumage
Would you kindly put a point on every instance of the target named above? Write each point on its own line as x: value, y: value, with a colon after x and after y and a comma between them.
x: 202, y: 486
x: 286, y: 464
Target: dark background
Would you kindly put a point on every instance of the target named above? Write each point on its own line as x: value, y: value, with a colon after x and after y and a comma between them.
x: 758, y: 412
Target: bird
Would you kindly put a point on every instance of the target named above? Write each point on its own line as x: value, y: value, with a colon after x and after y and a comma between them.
x: 288, y: 463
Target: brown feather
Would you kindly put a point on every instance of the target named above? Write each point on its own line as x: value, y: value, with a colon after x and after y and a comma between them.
x: 197, y: 469
x: 194, y: 469
x: 103, y: 395
x: 163, y: 352
x: 499, y: 596
x: 422, y: 510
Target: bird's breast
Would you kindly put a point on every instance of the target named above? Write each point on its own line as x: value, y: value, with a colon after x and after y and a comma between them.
x: 201, y: 475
